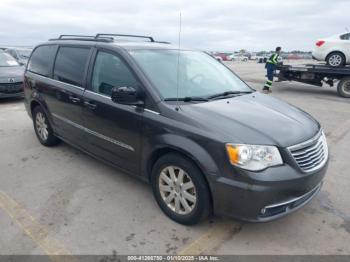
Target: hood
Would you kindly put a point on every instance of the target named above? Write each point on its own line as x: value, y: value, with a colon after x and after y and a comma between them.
x: 15, y: 72
x: 253, y: 119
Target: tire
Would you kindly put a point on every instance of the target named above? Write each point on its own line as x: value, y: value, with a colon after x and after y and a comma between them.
x: 199, y: 207
x: 43, y: 129
x: 344, y: 87
x: 335, y: 59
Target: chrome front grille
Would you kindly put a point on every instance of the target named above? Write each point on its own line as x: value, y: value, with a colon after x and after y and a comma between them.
x: 312, y: 154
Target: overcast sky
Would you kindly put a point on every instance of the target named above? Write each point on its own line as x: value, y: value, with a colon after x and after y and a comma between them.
x: 209, y: 25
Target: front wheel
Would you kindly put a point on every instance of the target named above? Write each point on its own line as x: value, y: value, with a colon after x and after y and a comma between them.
x: 344, y: 87
x: 43, y: 129
x: 180, y: 189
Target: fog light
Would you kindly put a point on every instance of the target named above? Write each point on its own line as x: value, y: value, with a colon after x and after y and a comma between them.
x: 263, y: 211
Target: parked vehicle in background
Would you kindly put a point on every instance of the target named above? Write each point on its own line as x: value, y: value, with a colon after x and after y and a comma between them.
x: 237, y: 57
x: 20, y: 54
x: 11, y: 76
x: 223, y: 56
x: 205, y: 141
x: 335, y: 50
x: 219, y: 58
x: 262, y: 59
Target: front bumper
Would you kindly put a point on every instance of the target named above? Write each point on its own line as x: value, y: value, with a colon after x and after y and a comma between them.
x: 261, y: 198
x: 280, y: 209
x: 12, y: 95
x: 12, y: 90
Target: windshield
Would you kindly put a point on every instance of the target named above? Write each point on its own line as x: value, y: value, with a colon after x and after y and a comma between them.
x: 7, y: 60
x: 200, y: 75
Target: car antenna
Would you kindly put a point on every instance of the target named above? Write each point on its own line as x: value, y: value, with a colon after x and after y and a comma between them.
x: 178, y: 66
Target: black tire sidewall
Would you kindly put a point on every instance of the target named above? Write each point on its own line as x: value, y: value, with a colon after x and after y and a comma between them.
x: 202, y: 208
x: 51, y: 139
x: 341, y: 86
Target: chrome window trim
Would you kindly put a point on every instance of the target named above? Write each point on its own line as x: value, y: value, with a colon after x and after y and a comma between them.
x: 148, y: 110
x: 151, y: 111
x: 95, y: 93
x: 111, y: 140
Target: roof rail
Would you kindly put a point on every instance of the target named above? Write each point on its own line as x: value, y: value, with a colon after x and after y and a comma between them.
x: 83, y: 38
x: 163, y: 42
x: 103, y: 37
x: 79, y: 36
x: 121, y: 35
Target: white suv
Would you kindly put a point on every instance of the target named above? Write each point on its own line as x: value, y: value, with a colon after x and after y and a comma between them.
x: 334, y: 50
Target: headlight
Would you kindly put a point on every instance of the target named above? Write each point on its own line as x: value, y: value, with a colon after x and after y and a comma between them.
x: 253, y: 157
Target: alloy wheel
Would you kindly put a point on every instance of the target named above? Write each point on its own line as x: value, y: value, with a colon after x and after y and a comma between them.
x: 177, y: 190
x: 335, y: 60
x: 41, y: 126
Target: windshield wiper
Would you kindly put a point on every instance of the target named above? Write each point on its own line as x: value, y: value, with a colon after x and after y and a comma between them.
x: 187, y: 99
x: 227, y: 93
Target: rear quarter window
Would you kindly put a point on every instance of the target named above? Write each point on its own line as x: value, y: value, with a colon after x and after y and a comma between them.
x: 70, y: 65
x: 345, y: 37
x: 41, y: 60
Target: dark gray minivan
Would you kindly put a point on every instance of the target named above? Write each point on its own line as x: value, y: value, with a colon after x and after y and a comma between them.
x: 179, y: 119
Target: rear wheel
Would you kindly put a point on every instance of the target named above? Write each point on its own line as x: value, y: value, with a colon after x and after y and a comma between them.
x: 180, y: 189
x: 335, y: 59
x: 344, y: 87
x: 43, y: 129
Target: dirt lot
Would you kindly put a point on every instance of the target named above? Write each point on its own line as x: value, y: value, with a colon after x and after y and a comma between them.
x: 59, y: 200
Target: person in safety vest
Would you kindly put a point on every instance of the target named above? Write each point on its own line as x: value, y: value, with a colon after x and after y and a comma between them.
x: 270, y: 68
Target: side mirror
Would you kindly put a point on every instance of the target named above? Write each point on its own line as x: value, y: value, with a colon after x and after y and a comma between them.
x: 127, y: 95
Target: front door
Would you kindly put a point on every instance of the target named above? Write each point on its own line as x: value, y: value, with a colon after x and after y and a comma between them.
x: 114, y: 130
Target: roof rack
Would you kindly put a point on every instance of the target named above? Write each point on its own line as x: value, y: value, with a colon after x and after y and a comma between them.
x: 103, y: 37
x: 83, y: 38
x: 121, y: 35
x: 79, y: 36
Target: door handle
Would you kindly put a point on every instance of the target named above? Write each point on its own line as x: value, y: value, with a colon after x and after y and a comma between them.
x: 90, y: 105
x: 74, y: 99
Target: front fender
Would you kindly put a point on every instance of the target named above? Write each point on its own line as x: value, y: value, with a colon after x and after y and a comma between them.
x: 182, y: 145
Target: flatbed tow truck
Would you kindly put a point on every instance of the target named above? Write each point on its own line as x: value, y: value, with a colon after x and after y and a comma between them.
x: 317, y: 75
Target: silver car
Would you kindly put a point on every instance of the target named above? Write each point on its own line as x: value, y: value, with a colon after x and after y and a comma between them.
x: 334, y: 50
x: 11, y: 76
x: 21, y: 54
